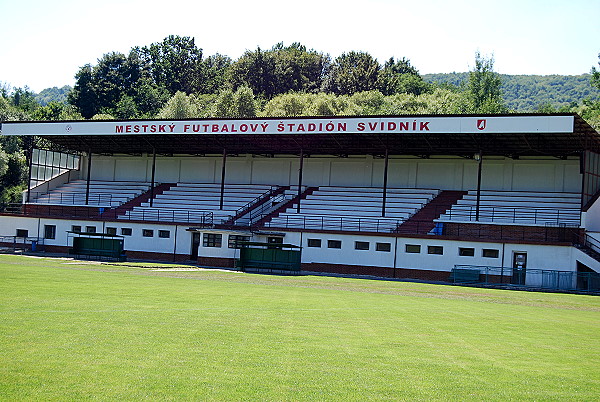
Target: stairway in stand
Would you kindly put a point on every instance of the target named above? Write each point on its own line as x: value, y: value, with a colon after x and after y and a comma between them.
x: 422, y: 222
x: 145, y: 197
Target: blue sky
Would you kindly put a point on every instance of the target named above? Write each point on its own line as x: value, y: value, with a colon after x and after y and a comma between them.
x: 43, y: 43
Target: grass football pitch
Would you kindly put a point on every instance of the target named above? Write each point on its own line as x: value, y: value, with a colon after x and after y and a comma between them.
x: 74, y: 330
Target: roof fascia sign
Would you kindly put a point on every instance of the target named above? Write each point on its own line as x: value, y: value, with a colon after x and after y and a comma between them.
x: 302, y: 126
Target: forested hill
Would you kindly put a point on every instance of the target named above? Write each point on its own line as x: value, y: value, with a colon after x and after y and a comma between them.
x: 525, y: 93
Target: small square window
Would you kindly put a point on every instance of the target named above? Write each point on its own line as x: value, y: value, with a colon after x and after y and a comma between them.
x: 413, y: 248
x: 76, y: 228
x: 49, y: 231
x: 466, y: 251
x: 233, y: 240
x: 334, y: 244
x: 489, y: 253
x: 22, y: 232
x: 439, y: 250
x: 126, y: 231
x: 164, y: 234
x: 147, y: 232
x: 111, y: 231
x: 313, y: 243
x: 387, y: 247
x: 361, y: 245
x: 90, y: 229
x: 212, y: 240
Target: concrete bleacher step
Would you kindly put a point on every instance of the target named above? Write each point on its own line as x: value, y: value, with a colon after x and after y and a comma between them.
x: 516, y: 208
x: 103, y: 194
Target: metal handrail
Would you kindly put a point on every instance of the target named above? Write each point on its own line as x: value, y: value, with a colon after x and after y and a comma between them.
x: 245, y: 208
x: 260, y: 211
x: 514, y: 214
x: 322, y: 222
x: 169, y: 215
x: 96, y: 198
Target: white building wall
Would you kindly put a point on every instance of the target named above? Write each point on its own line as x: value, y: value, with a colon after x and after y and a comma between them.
x: 550, y: 257
x: 444, y: 173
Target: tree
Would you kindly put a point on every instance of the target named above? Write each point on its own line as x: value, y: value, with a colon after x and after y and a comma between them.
x: 353, y: 72
x: 240, y: 103
x: 24, y: 99
x: 84, y: 96
x: 175, y: 64
x: 9, y: 112
x: 596, y: 76
x: 483, y: 93
x: 244, y: 103
x: 57, y: 111
x: 215, y: 73
x: 255, y: 70
x: 224, y: 105
x: 180, y: 106
x: 400, y: 77
x: 298, y: 69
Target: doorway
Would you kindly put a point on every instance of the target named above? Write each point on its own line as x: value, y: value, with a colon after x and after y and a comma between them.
x: 195, y: 246
x: 519, y: 268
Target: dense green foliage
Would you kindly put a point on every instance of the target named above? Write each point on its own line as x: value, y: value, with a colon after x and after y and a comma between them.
x: 75, y: 330
x: 529, y: 93
x: 53, y: 94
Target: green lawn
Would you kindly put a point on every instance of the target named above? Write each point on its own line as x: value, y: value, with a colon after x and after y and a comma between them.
x: 75, y: 330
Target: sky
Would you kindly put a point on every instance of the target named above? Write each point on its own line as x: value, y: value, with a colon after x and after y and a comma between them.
x: 43, y: 43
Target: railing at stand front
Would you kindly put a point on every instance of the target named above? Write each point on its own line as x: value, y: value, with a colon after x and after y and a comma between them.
x: 517, y: 215
x: 205, y: 218
x: 94, y: 199
x: 341, y: 223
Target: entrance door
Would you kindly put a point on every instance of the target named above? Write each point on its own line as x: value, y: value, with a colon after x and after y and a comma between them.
x: 519, y: 268
x: 195, y: 245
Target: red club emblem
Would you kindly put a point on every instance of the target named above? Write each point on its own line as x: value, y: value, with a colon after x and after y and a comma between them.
x: 481, y: 124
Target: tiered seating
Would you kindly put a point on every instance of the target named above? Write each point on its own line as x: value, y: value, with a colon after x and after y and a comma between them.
x: 517, y: 207
x: 194, y: 202
x: 104, y: 194
x: 354, y: 209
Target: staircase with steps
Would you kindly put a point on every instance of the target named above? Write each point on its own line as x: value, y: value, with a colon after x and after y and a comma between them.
x: 286, y: 205
x: 422, y: 222
x: 145, y: 197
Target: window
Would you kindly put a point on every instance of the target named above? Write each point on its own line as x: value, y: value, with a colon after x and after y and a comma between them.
x: 148, y: 232
x: 276, y: 240
x: 334, y: 244
x: 126, y: 231
x: 466, y: 251
x: 361, y: 245
x: 439, y: 250
x: 413, y: 248
x: 22, y: 232
x: 76, y: 228
x: 383, y: 247
x: 111, y: 231
x: 489, y: 253
x: 49, y: 231
x: 313, y: 243
x: 90, y: 229
x: 164, y: 234
x: 212, y: 240
x: 234, y: 239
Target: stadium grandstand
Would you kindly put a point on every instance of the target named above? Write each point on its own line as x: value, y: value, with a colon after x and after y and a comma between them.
x: 505, y: 199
